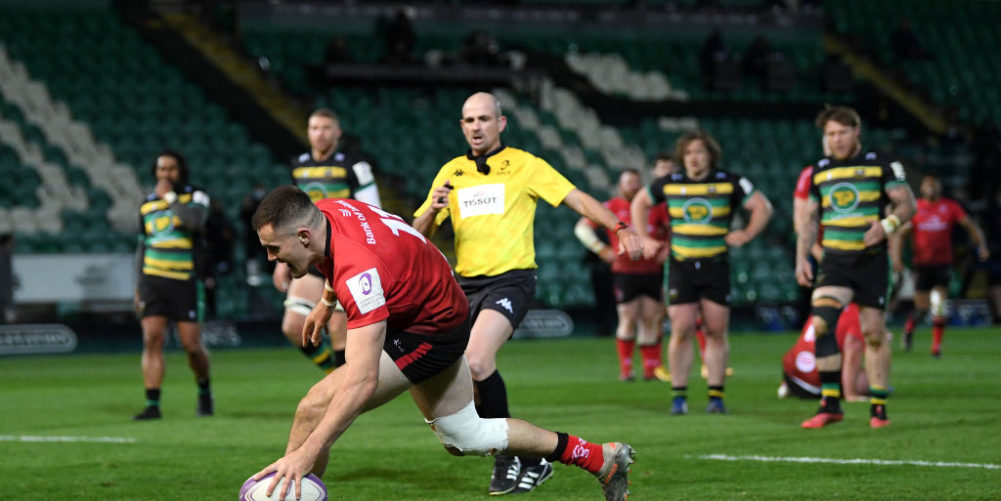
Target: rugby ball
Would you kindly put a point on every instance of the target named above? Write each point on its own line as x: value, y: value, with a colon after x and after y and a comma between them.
x: 312, y: 490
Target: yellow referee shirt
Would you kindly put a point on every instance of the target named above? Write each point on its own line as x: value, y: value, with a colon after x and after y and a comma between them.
x: 493, y: 214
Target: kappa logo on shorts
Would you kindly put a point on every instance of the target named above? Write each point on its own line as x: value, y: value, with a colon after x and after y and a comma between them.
x: 506, y: 304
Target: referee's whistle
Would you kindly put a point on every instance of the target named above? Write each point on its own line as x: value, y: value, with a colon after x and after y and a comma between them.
x: 448, y: 185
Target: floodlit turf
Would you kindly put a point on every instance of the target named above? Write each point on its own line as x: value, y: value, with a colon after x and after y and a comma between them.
x: 946, y: 410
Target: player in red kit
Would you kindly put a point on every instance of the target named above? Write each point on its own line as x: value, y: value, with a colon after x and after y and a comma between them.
x: 407, y: 328
x: 799, y: 365
x: 931, y: 228
x: 637, y: 284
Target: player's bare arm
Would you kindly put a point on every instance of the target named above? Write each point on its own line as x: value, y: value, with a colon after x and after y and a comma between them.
x: 761, y: 212
x: 589, y: 238
x: 425, y: 223
x: 357, y: 383
x: 904, y: 207
x: 977, y: 236
x: 895, y: 245
x: 587, y: 206
x: 639, y: 210
x: 805, y: 239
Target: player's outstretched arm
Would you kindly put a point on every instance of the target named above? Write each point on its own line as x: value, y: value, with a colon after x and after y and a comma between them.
x: 587, y: 206
x: 977, y: 236
x: 761, y: 212
x: 329, y: 409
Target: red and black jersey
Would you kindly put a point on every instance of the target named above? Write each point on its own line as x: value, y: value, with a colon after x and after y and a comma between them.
x: 933, y: 223
x: 383, y: 269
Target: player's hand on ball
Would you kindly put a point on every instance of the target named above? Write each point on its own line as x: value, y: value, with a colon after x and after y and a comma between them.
x: 289, y: 471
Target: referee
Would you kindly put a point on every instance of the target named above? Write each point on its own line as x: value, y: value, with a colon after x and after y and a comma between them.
x: 490, y: 195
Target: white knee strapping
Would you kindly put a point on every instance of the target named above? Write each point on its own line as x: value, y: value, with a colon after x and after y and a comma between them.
x: 937, y: 304
x: 298, y: 305
x: 466, y: 433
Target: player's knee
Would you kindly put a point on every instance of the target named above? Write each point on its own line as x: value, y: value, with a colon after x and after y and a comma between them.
x: 466, y: 434
x: 875, y: 338
x: 480, y: 366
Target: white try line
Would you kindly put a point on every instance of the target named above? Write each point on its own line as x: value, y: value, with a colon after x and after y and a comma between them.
x: 38, y: 438
x: 881, y: 462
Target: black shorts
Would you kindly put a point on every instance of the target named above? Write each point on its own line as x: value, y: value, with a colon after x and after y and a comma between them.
x: 421, y: 357
x: 178, y: 300
x: 510, y: 293
x: 630, y: 286
x: 867, y: 274
x: 695, y: 279
x: 931, y: 276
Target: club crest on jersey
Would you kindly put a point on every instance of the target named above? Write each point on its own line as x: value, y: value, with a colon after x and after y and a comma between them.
x: 162, y: 222
x: 697, y: 211
x: 844, y: 197
x: 316, y: 191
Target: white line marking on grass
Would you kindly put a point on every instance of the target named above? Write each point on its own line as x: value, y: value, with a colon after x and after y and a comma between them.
x: 38, y: 438
x: 882, y: 462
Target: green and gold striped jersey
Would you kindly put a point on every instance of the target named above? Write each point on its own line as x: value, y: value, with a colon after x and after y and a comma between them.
x: 168, y: 246
x: 852, y: 195
x: 341, y: 175
x: 700, y: 211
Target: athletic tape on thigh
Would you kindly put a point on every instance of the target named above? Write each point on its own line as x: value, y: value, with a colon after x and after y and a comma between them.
x: 465, y: 433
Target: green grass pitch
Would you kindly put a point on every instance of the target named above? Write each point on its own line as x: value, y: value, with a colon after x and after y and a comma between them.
x: 943, y: 411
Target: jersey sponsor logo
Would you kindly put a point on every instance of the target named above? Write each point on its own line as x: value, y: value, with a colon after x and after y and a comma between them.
x: 458, y: 172
x: 506, y: 304
x: 805, y: 362
x: 933, y: 223
x: 844, y: 197
x: 481, y: 200
x: 697, y: 211
x: 746, y: 185
x: 363, y: 171
x: 898, y: 170
x: 345, y: 212
x: 366, y: 289
x: 200, y: 197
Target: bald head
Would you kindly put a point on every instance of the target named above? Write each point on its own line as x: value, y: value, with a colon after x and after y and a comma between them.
x: 482, y: 123
x: 482, y: 99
